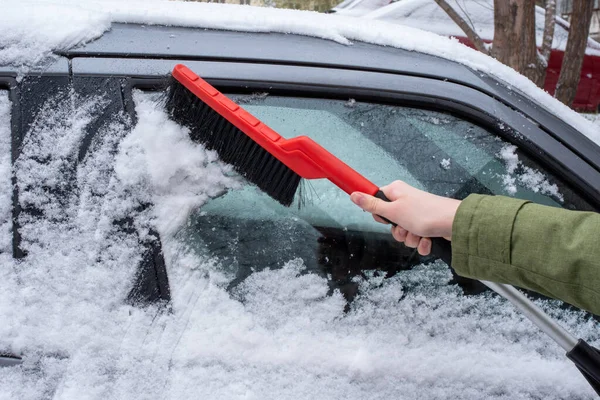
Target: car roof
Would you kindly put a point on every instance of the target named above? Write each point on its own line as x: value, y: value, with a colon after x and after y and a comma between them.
x: 169, y: 42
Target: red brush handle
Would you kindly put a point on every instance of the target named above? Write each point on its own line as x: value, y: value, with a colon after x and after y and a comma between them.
x: 301, y: 154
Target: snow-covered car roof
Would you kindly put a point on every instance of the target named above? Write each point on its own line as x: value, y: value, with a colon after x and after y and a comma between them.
x: 32, y: 29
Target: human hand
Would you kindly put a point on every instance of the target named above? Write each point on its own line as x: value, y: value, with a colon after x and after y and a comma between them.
x: 419, y: 215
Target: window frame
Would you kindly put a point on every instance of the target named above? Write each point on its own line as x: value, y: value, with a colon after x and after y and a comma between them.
x: 568, y: 162
x: 463, y: 102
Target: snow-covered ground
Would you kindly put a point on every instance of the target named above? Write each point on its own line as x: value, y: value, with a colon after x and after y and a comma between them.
x: 279, y: 335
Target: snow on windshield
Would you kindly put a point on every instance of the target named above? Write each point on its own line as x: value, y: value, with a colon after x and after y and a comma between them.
x: 31, y: 29
x: 278, y: 335
x: 528, y: 177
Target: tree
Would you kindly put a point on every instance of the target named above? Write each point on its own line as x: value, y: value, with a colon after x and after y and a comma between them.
x: 570, y: 72
x: 466, y: 28
x: 514, y: 41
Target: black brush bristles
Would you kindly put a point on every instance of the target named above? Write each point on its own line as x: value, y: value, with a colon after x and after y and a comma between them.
x: 231, y: 144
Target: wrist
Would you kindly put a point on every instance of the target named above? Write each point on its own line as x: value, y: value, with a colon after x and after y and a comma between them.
x: 446, y: 220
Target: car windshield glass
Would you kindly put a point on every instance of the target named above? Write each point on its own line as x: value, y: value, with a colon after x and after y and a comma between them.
x: 247, y: 230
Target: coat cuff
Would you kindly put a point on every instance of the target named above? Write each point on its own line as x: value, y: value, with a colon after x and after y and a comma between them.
x: 481, y: 234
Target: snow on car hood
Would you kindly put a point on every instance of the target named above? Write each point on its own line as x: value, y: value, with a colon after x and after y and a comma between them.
x: 31, y: 29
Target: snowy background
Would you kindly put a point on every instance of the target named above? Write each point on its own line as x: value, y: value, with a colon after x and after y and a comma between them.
x: 279, y: 335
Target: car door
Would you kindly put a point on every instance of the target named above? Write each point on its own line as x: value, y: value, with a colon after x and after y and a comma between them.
x: 387, y: 126
x: 260, y: 294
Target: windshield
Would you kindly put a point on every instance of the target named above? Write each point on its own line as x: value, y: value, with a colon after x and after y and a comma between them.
x: 248, y: 231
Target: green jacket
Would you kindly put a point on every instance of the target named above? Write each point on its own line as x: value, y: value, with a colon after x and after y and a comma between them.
x: 545, y: 249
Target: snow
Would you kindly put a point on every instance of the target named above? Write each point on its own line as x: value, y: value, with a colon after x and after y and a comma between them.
x: 31, y: 29
x: 5, y: 175
x: 445, y: 163
x: 517, y: 173
x: 595, y: 118
x: 278, y: 335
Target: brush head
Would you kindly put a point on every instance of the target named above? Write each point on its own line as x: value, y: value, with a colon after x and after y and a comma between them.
x: 232, y: 145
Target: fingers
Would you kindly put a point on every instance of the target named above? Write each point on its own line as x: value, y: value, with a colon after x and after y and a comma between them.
x: 412, y: 240
x: 371, y: 204
x: 424, y: 247
x: 394, y: 189
x: 399, y: 233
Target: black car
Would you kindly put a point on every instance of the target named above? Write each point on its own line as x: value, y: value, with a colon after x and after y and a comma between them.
x: 301, y: 296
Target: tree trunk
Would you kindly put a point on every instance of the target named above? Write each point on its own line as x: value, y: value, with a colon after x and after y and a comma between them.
x: 514, y: 36
x: 570, y: 72
x: 466, y: 28
x: 544, y: 54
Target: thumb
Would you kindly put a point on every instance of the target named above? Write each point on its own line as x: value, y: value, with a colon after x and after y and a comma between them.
x: 370, y: 203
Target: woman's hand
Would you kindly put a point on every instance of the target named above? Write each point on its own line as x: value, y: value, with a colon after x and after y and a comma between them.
x: 418, y: 214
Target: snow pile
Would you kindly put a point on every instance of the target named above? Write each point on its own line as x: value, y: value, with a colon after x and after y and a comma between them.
x: 278, y: 335
x: 527, y: 177
x: 30, y: 29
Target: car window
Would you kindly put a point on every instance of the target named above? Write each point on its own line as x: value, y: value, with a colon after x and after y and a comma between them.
x: 245, y: 229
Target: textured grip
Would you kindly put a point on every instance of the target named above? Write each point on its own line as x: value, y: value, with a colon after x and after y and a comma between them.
x: 440, y: 247
x: 587, y: 360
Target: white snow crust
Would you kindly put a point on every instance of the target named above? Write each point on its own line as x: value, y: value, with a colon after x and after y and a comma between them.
x: 31, y: 29
x: 517, y: 173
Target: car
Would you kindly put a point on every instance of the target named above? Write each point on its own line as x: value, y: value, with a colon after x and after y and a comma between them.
x: 136, y: 264
x: 357, y: 8
x: 427, y: 15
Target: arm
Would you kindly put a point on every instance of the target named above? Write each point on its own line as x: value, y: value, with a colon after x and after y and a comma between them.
x: 549, y: 250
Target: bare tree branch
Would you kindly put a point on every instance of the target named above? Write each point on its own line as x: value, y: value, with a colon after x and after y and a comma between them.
x: 466, y: 28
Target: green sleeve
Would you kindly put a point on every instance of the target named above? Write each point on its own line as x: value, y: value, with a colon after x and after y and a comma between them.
x: 549, y: 250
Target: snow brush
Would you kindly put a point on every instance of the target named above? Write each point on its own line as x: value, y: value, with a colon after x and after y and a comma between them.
x: 277, y: 165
